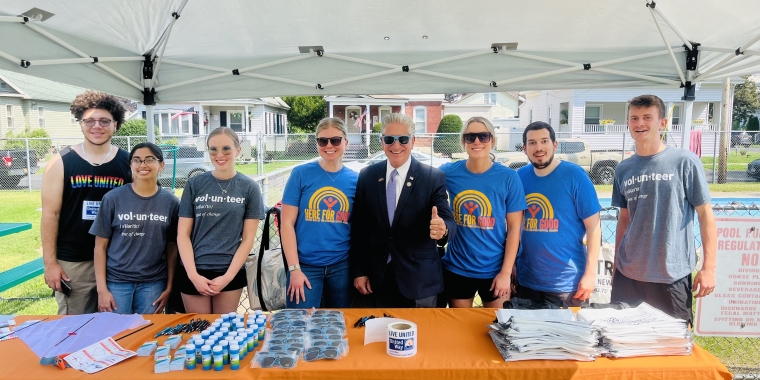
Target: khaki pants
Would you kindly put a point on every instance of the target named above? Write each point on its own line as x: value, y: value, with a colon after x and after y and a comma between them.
x: 84, y: 295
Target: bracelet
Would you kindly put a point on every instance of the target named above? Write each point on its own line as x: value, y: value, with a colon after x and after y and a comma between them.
x: 292, y: 268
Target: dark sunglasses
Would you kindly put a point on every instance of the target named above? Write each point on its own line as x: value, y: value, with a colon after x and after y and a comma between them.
x: 321, y: 336
x: 294, y: 348
x: 283, y: 361
x: 389, y: 140
x: 286, y: 341
x: 335, y: 141
x: 327, y: 312
x: 327, y: 343
x: 322, y: 325
x: 469, y: 138
x: 316, y: 353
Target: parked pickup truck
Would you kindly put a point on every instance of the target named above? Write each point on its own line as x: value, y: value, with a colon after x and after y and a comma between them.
x: 599, y: 165
x: 14, y: 166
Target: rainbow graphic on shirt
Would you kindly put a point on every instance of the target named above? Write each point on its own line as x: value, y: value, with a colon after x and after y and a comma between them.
x: 539, y: 216
x: 328, y: 204
x: 472, y: 209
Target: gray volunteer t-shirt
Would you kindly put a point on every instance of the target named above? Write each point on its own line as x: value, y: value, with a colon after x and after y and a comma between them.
x: 219, y: 216
x: 138, y: 229
x: 660, y: 193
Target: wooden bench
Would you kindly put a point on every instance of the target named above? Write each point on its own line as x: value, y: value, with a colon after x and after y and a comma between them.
x: 20, y: 274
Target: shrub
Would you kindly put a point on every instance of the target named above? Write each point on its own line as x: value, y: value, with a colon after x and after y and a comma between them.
x: 449, y: 143
x: 135, y: 127
x: 41, y: 145
x: 753, y: 124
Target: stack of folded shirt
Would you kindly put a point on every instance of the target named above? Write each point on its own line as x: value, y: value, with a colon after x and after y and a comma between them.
x: 640, y: 331
x: 543, y: 334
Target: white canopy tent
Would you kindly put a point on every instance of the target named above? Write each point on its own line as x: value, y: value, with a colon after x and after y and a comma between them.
x: 182, y: 50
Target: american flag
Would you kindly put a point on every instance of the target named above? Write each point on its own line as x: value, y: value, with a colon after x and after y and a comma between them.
x: 359, y: 123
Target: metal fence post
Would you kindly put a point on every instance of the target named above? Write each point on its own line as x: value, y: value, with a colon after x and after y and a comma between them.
x: 260, y: 155
x: 715, y: 158
x: 265, y: 190
x: 28, y: 167
x: 432, y: 147
x: 623, y: 154
x: 129, y: 144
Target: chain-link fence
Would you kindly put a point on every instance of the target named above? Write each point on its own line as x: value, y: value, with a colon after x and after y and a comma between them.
x: 24, y: 159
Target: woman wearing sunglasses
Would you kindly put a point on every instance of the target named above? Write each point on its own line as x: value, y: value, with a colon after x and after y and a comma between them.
x: 218, y: 220
x: 135, y: 239
x: 487, y: 200
x: 316, y: 206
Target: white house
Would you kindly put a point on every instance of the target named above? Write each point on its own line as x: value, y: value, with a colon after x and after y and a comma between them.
x: 581, y: 113
x: 501, y: 108
x: 248, y: 117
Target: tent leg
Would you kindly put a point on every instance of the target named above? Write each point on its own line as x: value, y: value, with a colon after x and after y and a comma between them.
x: 686, y: 124
x: 149, y: 120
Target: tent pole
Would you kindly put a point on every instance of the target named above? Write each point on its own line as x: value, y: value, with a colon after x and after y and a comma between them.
x: 165, y: 38
x: 686, y: 124
x: 719, y: 65
x: 670, y: 51
x: 680, y: 35
x: 149, y: 120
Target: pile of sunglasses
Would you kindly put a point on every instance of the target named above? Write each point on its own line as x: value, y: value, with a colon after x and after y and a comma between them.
x: 297, y: 334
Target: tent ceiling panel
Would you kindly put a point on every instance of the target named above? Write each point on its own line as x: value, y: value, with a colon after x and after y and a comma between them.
x: 238, y: 34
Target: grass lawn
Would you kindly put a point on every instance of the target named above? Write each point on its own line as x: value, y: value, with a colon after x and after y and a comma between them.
x: 251, y: 168
x: 734, y: 160
x: 715, y: 188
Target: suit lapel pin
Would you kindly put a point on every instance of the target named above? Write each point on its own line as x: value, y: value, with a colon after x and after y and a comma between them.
x: 380, y: 179
x: 408, y: 184
x: 411, y: 178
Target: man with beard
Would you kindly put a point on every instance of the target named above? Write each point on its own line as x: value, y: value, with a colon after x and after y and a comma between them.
x: 73, y: 185
x: 554, y: 265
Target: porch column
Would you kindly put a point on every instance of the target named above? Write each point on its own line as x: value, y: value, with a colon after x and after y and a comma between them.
x: 201, y: 120
x: 403, y: 107
x: 331, y: 109
x: 246, y: 121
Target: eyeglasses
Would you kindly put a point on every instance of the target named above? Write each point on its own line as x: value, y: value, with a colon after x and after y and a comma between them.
x: 91, y: 122
x: 275, y: 360
x: 327, y: 343
x: 334, y: 141
x: 146, y: 161
x: 316, y: 353
x: 389, y: 140
x: 469, y: 138
x: 329, y: 330
x: 225, y: 150
x: 296, y: 348
x: 328, y: 313
x: 286, y: 341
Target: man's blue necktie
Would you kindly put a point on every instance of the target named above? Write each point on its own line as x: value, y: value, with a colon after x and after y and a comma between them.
x: 390, y: 196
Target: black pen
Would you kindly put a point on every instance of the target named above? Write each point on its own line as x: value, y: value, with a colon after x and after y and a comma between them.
x: 17, y: 330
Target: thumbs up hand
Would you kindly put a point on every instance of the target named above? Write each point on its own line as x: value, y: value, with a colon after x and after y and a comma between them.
x: 437, y: 226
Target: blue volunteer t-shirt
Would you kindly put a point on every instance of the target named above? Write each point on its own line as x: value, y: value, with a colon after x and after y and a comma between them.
x: 480, y: 203
x: 325, y: 201
x: 553, y: 256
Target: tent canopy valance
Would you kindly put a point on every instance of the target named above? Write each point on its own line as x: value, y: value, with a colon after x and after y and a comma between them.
x: 182, y: 50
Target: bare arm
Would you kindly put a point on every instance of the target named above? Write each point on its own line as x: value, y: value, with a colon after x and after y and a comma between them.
x: 52, y: 199
x: 171, y: 264
x: 298, y: 279
x: 502, y: 284
x: 105, y: 299
x: 186, y: 254
x: 593, y: 245
x: 704, y: 281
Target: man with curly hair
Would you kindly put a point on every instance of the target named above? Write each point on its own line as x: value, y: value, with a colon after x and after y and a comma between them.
x: 74, y: 183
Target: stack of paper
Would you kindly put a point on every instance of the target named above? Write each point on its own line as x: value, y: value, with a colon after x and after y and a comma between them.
x: 543, y: 334
x: 640, y: 331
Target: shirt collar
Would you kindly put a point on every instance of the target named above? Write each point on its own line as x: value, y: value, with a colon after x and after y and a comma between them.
x: 402, y: 170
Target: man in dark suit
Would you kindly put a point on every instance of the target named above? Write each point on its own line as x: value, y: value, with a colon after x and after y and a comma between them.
x: 401, y: 214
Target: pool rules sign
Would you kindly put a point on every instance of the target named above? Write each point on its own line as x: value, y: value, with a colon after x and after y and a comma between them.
x: 733, y: 309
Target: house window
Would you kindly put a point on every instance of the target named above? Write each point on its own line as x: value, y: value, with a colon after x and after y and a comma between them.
x: 676, y: 116
x: 9, y: 114
x: 420, y: 119
x: 593, y: 114
x: 236, y: 120
x: 384, y: 111
x: 165, y: 125
x: 41, y: 116
x: 489, y: 98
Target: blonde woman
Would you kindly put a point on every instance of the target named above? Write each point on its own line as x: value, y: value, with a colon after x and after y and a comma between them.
x: 487, y: 200
x: 316, y: 206
x: 218, y: 220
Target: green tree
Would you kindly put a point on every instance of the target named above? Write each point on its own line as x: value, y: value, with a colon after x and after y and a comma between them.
x: 449, y: 143
x: 753, y: 124
x: 305, y: 111
x: 134, y: 127
x: 746, y: 102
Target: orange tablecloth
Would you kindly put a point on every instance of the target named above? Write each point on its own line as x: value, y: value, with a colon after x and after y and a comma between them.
x: 453, y: 343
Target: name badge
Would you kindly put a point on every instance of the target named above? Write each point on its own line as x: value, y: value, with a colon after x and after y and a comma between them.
x: 90, y: 209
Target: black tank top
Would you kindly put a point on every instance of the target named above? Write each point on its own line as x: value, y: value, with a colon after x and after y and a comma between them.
x: 84, y: 186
